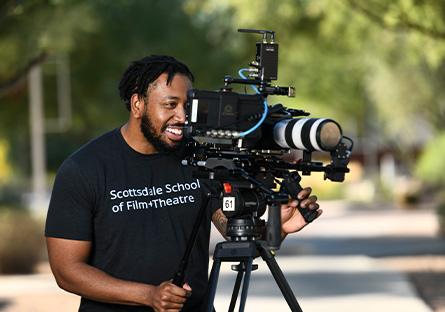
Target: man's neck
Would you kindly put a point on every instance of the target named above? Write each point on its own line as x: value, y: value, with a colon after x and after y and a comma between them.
x: 132, y: 134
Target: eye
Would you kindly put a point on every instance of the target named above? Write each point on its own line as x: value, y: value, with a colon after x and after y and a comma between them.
x: 170, y: 105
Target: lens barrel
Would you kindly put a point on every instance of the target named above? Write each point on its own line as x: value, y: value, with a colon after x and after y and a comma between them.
x: 310, y: 134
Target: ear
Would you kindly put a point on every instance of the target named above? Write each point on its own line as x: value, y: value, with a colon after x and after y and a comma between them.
x: 137, y: 105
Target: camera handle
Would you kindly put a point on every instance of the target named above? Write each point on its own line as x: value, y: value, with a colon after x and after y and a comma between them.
x: 178, y: 278
x: 291, y: 184
x: 273, y: 229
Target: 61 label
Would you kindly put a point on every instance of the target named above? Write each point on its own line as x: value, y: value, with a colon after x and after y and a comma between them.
x: 228, y: 204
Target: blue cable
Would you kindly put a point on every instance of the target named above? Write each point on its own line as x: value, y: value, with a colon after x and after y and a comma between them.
x: 258, y: 124
x: 240, y: 73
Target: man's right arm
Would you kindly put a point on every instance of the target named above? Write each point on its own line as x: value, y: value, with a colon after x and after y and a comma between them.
x: 68, y: 260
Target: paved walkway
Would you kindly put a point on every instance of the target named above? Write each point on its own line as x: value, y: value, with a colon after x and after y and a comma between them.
x: 331, y: 266
x: 352, y: 283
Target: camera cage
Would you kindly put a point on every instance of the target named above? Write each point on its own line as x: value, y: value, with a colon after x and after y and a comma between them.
x: 241, y: 154
x: 231, y: 142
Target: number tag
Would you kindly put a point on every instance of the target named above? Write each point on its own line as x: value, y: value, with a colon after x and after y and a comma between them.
x: 228, y: 203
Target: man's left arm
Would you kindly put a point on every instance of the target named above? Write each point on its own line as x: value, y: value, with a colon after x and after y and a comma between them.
x: 220, y: 222
x: 291, y: 219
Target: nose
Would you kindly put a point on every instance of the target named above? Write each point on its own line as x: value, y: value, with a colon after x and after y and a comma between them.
x: 180, y: 114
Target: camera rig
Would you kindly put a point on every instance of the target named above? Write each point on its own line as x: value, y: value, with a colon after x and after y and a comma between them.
x: 241, y: 141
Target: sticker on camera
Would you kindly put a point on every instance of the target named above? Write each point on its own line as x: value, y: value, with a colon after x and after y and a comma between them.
x: 228, y: 203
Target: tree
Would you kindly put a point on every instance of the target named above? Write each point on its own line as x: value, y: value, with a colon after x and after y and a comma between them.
x: 100, y: 39
x: 32, y: 31
x: 379, y: 63
x: 369, y: 64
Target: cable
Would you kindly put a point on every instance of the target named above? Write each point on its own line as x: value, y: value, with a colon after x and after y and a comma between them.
x: 258, y: 124
x: 240, y: 73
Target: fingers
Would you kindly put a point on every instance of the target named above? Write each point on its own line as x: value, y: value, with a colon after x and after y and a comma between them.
x: 188, y: 289
x: 310, y: 209
x: 304, y: 193
x: 293, y: 219
x: 310, y: 202
x: 304, y: 200
x: 170, y: 297
x: 293, y: 203
x: 307, y: 201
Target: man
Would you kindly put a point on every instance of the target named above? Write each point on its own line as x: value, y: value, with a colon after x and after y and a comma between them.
x: 123, y: 207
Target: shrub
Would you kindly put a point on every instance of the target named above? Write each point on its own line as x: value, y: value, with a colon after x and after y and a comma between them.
x: 21, y: 242
x: 431, y: 166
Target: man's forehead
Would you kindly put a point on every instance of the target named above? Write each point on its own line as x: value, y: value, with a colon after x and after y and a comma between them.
x: 162, y: 80
x: 176, y: 90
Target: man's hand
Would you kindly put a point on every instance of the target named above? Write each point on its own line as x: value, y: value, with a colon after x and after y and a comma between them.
x: 291, y: 219
x: 169, y: 297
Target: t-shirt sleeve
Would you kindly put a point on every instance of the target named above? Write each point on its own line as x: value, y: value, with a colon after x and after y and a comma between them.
x: 71, y: 208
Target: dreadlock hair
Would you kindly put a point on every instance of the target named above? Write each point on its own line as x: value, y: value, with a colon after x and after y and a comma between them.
x: 141, y: 73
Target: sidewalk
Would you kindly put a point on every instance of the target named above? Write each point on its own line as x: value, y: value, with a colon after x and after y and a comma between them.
x: 34, y: 293
x: 336, y: 263
x: 331, y: 266
x: 352, y: 283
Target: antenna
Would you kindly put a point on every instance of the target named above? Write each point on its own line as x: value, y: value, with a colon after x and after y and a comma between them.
x: 263, y: 32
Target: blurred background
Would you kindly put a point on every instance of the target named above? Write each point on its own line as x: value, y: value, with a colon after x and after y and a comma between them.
x: 377, y: 67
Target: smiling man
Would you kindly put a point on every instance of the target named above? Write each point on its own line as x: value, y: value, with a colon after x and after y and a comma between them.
x: 123, y: 206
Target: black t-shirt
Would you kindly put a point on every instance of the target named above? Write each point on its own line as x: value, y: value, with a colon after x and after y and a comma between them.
x: 137, y: 210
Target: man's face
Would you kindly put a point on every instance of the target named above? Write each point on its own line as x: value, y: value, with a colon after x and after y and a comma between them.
x: 164, y: 116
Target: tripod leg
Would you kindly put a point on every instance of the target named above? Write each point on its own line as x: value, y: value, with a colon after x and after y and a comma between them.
x: 213, y: 282
x: 245, y: 284
x: 236, y: 288
x: 280, y: 280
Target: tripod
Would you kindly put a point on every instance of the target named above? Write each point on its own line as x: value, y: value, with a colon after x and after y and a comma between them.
x: 243, y: 248
x: 245, y: 252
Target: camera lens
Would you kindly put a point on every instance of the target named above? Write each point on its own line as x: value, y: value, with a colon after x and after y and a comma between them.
x: 310, y: 134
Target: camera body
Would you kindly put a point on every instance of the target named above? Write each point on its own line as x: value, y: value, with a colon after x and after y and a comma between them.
x: 221, y: 114
x: 240, y: 141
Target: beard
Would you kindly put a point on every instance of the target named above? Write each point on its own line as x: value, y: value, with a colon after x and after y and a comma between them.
x: 154, y: 139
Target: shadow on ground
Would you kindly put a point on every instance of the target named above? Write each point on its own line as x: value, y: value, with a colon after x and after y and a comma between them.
x: 308, y: 284
x: 429, y: 286
x: 383, y: 246
x: 4, y: 304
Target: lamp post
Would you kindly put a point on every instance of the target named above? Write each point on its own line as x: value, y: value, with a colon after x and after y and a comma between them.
x: 37, y: 137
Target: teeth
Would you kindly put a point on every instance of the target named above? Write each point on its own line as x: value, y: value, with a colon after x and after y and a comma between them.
x: 175, y: 131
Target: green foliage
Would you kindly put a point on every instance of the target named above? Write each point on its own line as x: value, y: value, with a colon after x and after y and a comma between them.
x: 431, y: 166
x: 21, y: 243
x: 374, y: 62
x: 28, y: 28
x: 32, y: 32
x: 101, y: 38
x: 374, y: 65
x: 5, y: 167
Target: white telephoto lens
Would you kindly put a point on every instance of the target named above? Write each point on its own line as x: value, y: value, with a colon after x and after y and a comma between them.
x: 310, y: 134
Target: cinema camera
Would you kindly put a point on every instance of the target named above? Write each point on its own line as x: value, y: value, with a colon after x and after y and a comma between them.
x: 241, y: 143
x: 239, y: 140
